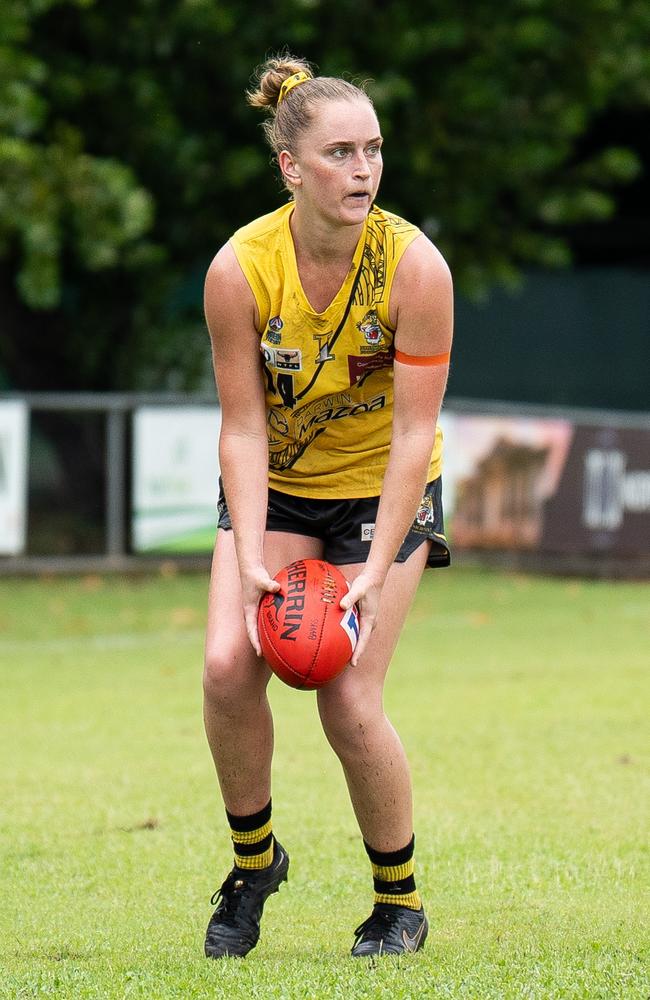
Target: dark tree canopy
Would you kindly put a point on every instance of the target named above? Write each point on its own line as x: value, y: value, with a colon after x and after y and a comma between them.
x: 128, y: 153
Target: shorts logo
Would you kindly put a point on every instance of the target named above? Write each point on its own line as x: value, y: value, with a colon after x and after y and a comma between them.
x: 287, y: 359
x: 424, y: 515
x: 367, y: 532
x: 371, y: 330
x: 273, y: 334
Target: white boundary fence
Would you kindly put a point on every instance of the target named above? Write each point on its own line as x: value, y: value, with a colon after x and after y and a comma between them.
x: 616, y: 497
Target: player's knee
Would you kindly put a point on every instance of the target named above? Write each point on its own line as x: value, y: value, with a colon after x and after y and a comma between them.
x: 347, y: 714
x: 225, y: 677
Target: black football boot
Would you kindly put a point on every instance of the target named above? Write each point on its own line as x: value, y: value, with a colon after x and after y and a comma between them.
x: 234, y: 927
x: 390, y: 930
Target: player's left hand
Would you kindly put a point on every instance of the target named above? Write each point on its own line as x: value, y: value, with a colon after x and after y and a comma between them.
x: 365, y: 593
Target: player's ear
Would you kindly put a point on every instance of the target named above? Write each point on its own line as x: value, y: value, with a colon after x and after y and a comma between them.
x: 289, y: 167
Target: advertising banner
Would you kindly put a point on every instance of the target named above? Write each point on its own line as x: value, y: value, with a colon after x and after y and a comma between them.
x: 13, y: 476
x: 175, y: 478
x: 547, y: 485
x: 602, y: 500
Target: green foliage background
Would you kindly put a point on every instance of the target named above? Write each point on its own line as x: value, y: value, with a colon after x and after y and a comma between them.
x: 128, y: 154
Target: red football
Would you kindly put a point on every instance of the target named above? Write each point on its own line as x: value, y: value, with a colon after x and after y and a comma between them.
x: 306, y: 637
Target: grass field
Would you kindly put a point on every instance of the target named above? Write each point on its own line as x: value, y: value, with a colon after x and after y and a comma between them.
x: 523, y: 704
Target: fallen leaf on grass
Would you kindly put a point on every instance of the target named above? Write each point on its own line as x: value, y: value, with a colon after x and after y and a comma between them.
x: 148, y: 824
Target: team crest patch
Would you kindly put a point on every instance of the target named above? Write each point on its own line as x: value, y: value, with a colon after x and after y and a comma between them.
x: 371, y: 330
x: 424, y: 515
x: 273, y: 334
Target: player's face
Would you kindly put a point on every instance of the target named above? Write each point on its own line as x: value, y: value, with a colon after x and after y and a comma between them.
x: 338, y: 162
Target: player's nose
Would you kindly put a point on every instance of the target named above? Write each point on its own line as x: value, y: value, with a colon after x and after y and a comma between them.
x: 361, y: 166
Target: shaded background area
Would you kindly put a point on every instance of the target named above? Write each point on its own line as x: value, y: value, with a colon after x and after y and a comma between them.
x: 66, y: 499
x: 516, y: 136
x: 575, y: 337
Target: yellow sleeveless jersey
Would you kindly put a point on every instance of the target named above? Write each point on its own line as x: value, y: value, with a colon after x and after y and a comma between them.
x: 329, y: 375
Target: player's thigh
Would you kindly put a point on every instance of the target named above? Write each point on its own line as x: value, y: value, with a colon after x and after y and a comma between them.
x: 228, y: 650
x: 366, y: 680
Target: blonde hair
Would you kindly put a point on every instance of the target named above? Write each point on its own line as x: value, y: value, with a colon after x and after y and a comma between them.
x: 295, y: 112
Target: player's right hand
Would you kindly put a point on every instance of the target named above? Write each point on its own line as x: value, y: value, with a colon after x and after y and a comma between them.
x: 255, y: 583
x: 365, y: 593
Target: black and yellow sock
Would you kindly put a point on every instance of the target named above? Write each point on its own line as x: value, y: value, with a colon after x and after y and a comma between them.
x: 252, y: 838
x: 393, y: 876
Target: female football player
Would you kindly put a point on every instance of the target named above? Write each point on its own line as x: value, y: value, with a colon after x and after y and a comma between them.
x: 331, y: 326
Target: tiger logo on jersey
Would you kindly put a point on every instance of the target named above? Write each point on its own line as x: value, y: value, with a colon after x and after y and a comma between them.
x: 371, y: 330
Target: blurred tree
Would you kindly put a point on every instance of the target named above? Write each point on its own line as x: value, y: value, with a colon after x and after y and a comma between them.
x: 128, y: 154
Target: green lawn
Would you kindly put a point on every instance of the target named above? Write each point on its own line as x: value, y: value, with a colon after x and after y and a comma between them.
x: 523, y: 704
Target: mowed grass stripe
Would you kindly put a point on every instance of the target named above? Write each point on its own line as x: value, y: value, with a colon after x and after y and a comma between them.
x: 521, y: 703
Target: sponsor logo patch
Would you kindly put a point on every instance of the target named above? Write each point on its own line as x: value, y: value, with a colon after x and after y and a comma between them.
x: 289, y: 440
x: 358, y: 366
x: 367, y: 532
x: 286, y: 359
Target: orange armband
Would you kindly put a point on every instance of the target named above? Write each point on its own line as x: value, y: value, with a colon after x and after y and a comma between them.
x: 422, y: 361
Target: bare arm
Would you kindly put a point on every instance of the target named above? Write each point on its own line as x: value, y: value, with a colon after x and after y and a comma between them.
x: 422, y: 304
x: 230, y: 312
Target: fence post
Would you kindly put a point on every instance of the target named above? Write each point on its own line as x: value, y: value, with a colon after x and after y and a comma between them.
x: 116, y: 482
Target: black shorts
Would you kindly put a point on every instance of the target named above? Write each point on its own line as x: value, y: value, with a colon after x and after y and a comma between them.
x: 346, y: 527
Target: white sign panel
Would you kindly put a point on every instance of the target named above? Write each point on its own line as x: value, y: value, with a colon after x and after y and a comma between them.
x: 13, y: 476
x: 175, y: 478
x: 447, y: 426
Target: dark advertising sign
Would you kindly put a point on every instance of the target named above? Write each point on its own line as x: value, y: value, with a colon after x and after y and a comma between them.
x: 546, y: 485
x: 602, y: 502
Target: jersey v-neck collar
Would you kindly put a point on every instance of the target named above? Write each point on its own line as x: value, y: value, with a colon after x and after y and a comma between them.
x: 343, y: 293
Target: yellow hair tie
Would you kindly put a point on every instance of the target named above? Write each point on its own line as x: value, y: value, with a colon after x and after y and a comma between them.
x: 291, y: 82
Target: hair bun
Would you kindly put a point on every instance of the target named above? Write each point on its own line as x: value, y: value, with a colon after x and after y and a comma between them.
x: 271, y: 75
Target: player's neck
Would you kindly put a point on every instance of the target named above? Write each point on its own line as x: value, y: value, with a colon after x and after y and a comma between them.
x: 318, y: 242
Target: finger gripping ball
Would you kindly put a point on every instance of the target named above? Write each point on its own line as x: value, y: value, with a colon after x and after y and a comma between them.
x: 306, y: 637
